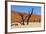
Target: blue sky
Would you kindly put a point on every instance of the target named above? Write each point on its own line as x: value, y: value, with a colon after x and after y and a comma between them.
x: 36, y: 9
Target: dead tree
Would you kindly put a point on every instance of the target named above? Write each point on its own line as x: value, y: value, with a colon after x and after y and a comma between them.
x: 29, y: 15
x: 22, y: 17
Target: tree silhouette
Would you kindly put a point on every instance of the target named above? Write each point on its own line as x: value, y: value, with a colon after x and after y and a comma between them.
x: 22, y: 17
x: 29, y: 15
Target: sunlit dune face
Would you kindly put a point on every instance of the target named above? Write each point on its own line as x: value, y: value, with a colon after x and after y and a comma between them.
x: 15, y: 17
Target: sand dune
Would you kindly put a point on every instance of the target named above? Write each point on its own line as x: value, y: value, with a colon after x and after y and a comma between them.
x: 15, y: 17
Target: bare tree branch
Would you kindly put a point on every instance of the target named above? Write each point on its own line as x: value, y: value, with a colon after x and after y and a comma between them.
x: 22, y: 18
x: 29, y: 16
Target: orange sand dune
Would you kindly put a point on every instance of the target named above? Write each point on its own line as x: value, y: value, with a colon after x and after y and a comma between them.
x: 15, y: 17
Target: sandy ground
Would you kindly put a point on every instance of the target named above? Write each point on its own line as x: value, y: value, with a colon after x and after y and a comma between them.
x: 32, y: 25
